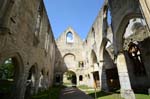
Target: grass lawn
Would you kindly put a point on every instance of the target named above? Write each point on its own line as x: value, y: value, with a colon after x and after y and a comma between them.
x: 104, y: 95
x: 52, y: 93
x: 84, y: 87
x: 142, y: 96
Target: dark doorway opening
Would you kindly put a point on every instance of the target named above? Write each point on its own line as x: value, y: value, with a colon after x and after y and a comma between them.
x: 69, y: 78
x: 112, y: 79
x: 8, y: 77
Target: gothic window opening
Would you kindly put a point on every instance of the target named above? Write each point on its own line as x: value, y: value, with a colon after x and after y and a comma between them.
x: 9, y: 75
x: 135, y: 55
x: 69, y: 37
x: 80, y: 78
x: 47, y: 40
x: 30, y: 84
x: 41, y: 79
x: 7, y: 70
x: 81, y: 64
x: 93, y: 32
x: 38, y: 23
x: 58, y: 78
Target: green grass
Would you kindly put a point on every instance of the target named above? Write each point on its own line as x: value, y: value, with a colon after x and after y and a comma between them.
x: 67, y: 84
x: 104, y: 95
x: 52, y: 93
x: 84, y: 87
x: 142, y: 96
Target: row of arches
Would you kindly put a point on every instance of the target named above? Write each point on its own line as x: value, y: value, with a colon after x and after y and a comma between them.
x: 124, y: 53
x: 13, y: 77
x: 130, y: 35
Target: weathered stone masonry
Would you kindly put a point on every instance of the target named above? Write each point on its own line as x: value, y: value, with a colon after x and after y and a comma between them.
x: 26, y: 36
x: 106, y: 59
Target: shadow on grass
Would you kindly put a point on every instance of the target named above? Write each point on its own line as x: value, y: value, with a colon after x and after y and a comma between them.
x: 52, y: 93
x: 141, y: 91
x: 111, y: 94
x: 99, y: 94
x: 5, y: 89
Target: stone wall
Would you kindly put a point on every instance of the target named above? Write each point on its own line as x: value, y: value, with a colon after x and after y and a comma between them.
x: 26, y: 35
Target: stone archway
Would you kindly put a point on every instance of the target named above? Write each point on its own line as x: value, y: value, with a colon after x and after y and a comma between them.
x: 93, y: 58
x: 70, y: 78
x: 31, y: 86
x: 122, y: 11
x: 70, y: 60
x: 124, y: 68
x: 109, y: 81
x: 12, y: 70
x: 94, y: 75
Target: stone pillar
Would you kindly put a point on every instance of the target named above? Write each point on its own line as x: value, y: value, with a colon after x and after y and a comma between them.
x: 102, y: 76
x: 77, y: 79
x: 145, y: 7
x: 20, y: 87
x: 104, y: 85
x: 91, y: 81
x: 37, y: 80
x: 126, y: 90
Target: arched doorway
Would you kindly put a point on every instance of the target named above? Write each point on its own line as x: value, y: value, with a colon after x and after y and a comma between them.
x: 95, y: 72
x: 120, y: 21
x: 9, y: 77
x: 134, y: 46
x: 31, y: 85
x: 69, y: 78
x: 58, y: 78
x: 108, y: 73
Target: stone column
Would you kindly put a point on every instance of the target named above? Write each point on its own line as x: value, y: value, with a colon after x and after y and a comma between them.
x: 102, y: 76
x: 20, y: 87
x: 37, y: 77
x: 145, y: 7
x: 77, y: 80
x: 91, y: 81
x: 126, y: 90
x: 104, y: 85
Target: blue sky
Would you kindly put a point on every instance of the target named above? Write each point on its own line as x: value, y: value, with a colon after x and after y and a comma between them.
x: 79, y: 14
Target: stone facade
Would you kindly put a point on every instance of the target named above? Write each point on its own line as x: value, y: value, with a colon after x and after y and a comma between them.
x: 113, y: 56
x: 26, y: 37
x: 107, y: 49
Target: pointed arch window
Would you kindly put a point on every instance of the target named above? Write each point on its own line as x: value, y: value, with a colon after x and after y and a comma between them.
x: 38, y: 24
x: 135, y: 55
x: 69, y: 37
x: 80, y: 78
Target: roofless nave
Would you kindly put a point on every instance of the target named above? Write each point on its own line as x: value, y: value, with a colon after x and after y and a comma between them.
x: 112, y: 57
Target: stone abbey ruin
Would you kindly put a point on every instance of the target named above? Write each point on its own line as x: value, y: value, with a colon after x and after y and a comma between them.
x: 113, y: 56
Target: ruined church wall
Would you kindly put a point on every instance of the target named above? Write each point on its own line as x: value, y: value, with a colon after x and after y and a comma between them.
x: 20, y: 36
x: 139, y: 81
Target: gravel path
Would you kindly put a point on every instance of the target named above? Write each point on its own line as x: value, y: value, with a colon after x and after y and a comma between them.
x: 73, y: 93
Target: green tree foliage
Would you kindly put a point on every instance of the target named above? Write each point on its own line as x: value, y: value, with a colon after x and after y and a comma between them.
x: 69, y: 75
x: 7, y: 69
